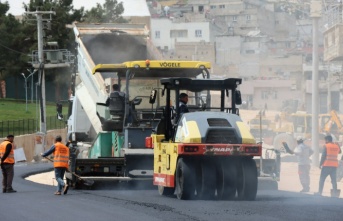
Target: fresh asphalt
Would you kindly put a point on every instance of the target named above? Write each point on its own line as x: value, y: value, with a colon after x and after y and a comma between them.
x: 37, y: 202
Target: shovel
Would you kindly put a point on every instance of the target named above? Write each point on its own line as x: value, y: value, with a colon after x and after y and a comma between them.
x: 88, y: 183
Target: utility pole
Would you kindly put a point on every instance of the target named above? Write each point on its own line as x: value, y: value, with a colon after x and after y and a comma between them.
x: 40, y: 137
x: 39, y: 16
x: 316, y: 11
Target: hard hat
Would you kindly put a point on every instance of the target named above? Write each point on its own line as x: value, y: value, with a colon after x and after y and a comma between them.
x: 299, y: 138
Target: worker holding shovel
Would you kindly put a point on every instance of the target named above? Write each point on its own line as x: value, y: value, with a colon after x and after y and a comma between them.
x: 61, y: 158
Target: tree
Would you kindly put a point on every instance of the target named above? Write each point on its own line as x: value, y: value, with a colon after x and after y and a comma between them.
x: 13, y: 51
x: 19, y: 38
x: 109, y: 12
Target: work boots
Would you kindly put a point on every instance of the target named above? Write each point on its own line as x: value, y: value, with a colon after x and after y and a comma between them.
x: 11, y: 190
x: 335, y: 193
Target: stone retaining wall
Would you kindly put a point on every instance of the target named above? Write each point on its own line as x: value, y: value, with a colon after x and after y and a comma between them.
x: 27, y: 142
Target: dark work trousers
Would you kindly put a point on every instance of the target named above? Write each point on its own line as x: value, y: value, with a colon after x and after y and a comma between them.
x: 304, y: 176
x: 7, y: 175
x: 59, y: 175
x: 326, y: 171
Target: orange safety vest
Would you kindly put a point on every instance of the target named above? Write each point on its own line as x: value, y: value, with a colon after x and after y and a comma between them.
x: 332, y: 151
x: 61, y: 155
x: 10, y: 157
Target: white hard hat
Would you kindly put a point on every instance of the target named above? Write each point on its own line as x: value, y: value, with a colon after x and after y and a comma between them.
x: 299, y: 138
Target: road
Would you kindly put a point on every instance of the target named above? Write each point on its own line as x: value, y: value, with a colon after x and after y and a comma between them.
x: 35, y: 201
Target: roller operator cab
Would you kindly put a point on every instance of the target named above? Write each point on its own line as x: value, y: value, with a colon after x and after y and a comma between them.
x: 208, y: 152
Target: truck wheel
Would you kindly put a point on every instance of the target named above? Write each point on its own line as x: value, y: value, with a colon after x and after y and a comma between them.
x: 247, y: 179
x: 166, y: 191
x: 226, y: 179
x: 185, y: 180
x: 208, y: 180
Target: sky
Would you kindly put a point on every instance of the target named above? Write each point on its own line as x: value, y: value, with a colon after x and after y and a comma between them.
x: 16, y: 6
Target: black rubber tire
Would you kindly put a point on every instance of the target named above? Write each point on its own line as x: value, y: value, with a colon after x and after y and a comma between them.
x: 247, y: 179
x: 185, y: 180
x: 166, y: 191
x: 226, y: 179
x: 208, y: 180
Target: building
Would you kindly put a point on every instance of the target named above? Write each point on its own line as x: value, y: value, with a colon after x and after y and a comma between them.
x: 165, y: 32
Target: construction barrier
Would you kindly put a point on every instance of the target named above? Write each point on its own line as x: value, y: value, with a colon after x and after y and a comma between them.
x: 29, y: 142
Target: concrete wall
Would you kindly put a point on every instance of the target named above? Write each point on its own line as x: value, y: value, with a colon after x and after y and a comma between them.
x: 27, y: 142
x: 333, y: 43
x: 202, y: 51
x: 271, y: 92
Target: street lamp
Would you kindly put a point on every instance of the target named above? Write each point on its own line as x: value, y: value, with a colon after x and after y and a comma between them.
x: 25, y: 88
x: 31, y: 74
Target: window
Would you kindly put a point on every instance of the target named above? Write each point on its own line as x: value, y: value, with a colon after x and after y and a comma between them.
x: 198, y: 33
x: 274, y: 94
x: 178, y: 33
x: 288, y: 44
x: 264, y: 94
x: 326, y: 41
x: 157, y: 34
x: 234, y: 18
x: 221, y: 6
x: 248, y: 17
x: 213, y: 6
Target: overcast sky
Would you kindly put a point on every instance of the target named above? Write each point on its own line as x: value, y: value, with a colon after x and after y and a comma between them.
x: 16, y: 6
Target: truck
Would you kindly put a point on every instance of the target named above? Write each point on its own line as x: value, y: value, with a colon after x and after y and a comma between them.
x: 206, y: 153
x: 108, y: 141
x: 97, y: 44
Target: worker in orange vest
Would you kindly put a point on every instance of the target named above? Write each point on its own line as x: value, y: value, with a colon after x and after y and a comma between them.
x: 7, y: 164
x: 328, y: 165
x: 61, y: 159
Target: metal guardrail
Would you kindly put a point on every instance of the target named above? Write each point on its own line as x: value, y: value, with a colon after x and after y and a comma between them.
x: 28, y: 126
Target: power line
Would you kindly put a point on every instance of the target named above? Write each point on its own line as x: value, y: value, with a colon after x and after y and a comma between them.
x: 19, y: 52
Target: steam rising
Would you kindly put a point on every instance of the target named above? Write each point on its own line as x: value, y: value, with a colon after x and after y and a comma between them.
x: 112, y: 48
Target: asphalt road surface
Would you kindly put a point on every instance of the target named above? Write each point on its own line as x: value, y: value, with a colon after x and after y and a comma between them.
x: 122, y: 202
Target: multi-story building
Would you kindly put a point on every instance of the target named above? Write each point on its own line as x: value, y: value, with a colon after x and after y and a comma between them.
x: 166, y: 32
x: 331, y: 84
x: 262, y: 41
